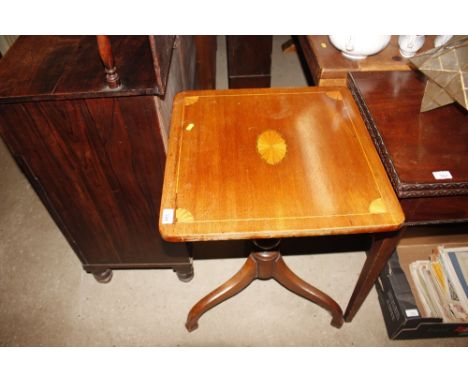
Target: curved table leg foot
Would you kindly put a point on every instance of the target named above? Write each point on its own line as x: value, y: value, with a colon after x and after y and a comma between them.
x: 231, y: 287
x: 291, y: 281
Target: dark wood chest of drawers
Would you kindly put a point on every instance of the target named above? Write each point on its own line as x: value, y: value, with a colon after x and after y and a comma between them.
x: 95, y: 155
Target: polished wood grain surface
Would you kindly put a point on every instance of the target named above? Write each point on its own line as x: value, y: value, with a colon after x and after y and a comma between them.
x: 260, y: 163
x: 413, y: 145
x: 48, y: 67
x: 329, y: 67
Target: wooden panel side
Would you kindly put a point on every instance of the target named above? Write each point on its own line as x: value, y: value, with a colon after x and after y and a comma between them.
x: 206, y: 62
x: 181, y: 77
x: 432, y: 210
x: 249, y: 59
x: 161, y: 51
x: 100, y: 162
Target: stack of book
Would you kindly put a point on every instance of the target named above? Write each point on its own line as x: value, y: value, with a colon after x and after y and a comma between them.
x: 441, y: 284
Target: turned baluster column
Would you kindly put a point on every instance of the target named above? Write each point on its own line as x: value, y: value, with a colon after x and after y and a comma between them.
x: 105, y: 51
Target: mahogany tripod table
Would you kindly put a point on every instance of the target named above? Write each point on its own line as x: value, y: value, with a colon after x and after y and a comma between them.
x: 266, y: 164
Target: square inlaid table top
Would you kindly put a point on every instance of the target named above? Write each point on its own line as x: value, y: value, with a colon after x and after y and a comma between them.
x: 272, y: 163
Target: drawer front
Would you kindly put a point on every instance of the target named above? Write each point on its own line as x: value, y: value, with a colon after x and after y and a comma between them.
x: 435, y: 209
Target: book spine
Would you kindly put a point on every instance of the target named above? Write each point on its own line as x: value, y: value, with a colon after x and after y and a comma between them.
x: 458, y: 270
x: 453, y: 279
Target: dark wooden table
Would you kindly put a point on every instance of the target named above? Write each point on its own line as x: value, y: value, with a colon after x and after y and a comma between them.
x: 416, y: 148
x: 328, y: 67
x: 261, y: 164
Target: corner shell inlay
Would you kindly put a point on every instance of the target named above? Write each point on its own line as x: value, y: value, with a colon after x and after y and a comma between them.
x: 336, y: 95
x: 183, y: 216
x: 190, y: 100
x: 377, y: 206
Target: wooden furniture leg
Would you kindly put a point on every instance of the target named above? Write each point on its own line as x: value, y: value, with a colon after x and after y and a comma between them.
x: 103, y: 276
x: 231, y: 287
x: 184, y: 272
x: 283, y: 274
x: 264, y: 265
x: 288, y: 46
x: 381, y: 249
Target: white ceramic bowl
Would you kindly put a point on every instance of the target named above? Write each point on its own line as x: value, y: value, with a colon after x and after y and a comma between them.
x: 357, y: 47
x: 442, y: 40
x: 410, y: 44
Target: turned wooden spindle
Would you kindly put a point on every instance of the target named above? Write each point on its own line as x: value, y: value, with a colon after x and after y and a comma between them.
x: 105, y: 51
